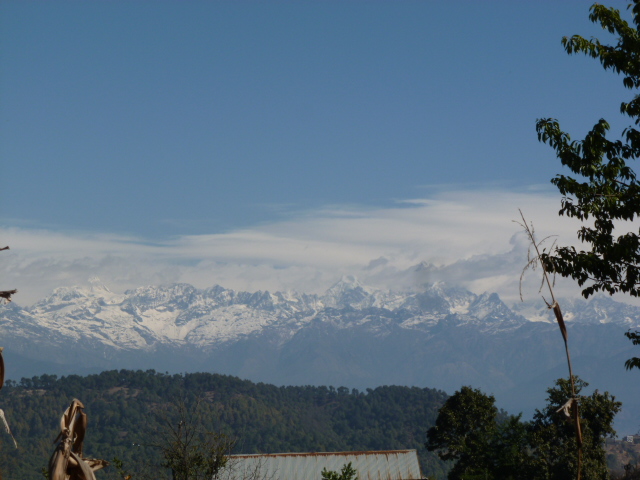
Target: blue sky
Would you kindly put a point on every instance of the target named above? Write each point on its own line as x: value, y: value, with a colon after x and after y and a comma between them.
x: 133, y: 131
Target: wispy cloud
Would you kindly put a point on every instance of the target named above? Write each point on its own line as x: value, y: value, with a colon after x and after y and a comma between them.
x: 469, y: 235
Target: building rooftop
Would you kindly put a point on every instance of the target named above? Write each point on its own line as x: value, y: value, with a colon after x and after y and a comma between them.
x: 378, y: 465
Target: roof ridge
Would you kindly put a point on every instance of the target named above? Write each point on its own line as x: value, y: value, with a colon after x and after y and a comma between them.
x: 297, y: 454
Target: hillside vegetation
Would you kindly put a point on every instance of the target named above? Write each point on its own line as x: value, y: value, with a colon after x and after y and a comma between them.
x: 129, y: 410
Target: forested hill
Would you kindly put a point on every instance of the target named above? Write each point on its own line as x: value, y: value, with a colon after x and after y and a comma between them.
x: 128, y: 410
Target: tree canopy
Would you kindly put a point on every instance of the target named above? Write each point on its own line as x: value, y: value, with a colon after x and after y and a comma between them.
x: 135, y: 415
x: 552, y: 438
x: 346, y: 473
x: 488, y: 444
x: 463, y: 431
x: 603, y: 191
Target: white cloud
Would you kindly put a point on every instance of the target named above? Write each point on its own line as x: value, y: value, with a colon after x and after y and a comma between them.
x: 469, y: 234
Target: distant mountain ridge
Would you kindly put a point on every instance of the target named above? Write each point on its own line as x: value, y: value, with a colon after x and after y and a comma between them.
x: 441, y: 336
x: 181, y: 314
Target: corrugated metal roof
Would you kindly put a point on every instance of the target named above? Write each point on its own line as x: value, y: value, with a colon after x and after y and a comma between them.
x: 381, y: 465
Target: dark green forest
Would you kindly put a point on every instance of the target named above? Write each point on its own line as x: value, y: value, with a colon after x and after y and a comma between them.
x: 129, y: 411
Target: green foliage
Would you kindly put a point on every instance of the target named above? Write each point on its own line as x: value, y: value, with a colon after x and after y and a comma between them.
x: 487, y: 445
x: 634, y: 361
x: 605, y: 189
x: 128, y: 409
x: 463, y: 431
x: 119, y: 467
x: 347, y: 473
x: 509, y: 449
x: 553, y: 437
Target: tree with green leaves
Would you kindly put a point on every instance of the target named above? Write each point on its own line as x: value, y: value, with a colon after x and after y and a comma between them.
x: 552, y: 440
x: 603, y: 189
x: 347, y: 473
x: 510, y: 449
x: 463, y: 432
x: 487, y: 444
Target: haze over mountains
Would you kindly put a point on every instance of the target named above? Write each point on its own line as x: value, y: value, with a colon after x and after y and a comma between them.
x: 439, y: 336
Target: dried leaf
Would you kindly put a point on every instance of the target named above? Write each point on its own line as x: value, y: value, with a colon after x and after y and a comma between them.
x: 96, y: 464
x: 69, y: 417
x: 83, y: 472
x: 58, y: 463
x: 6, y: 427
x: 80, y: 430
x: 566, y: 408
x: 1, y: 368
x: 558, y: 314
x: 67, y: 462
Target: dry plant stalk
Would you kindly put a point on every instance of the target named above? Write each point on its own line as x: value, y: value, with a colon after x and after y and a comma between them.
x: 570, y: 408
x: 6, y: 294
x: 67, y: 461
x: 1, y: 368
x: 2, y: 416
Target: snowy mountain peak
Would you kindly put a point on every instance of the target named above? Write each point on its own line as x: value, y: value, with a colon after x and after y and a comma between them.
x: 182, y: 314
x: 346, y: 283
x: 97, y: 286
x: 347, y: 292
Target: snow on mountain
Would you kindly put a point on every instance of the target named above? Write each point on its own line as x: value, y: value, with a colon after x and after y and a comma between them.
x: 180, y: 314
x: 598, y: 310
x: 440, y: 336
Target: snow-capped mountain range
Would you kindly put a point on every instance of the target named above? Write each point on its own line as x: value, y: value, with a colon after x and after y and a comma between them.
x: 180, y: 314
x: 441, y: 336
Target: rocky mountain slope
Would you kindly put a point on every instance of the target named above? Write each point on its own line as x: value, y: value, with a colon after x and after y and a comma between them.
x: 441, y: 337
